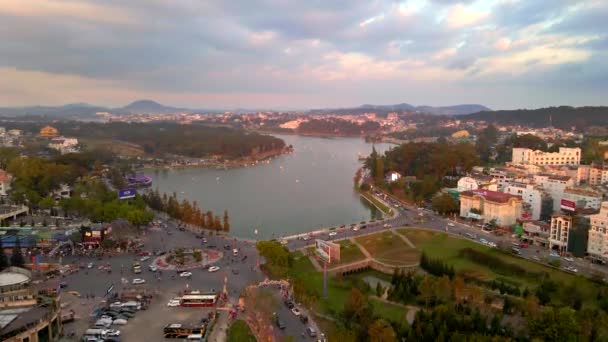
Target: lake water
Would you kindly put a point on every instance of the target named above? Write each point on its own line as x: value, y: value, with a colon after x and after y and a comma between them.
x: 305, y: 190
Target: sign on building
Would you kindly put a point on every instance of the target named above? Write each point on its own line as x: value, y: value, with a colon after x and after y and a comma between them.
x: 568, y: 205
x: 328, y: 251
x: 127, y: 193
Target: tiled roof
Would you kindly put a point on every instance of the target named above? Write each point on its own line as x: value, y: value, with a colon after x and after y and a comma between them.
x: 493, y: 196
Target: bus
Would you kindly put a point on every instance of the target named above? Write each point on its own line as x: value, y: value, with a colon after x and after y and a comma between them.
x: 178, y: 330
x: 205, y: 299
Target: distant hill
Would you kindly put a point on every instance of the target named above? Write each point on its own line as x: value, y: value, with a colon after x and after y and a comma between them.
x: 564, y: 117
x: 150, y: 107
x: 67, y: 111
x: 461, y: 109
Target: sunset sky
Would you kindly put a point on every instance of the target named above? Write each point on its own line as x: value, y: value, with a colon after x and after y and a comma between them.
x: 304, y: 54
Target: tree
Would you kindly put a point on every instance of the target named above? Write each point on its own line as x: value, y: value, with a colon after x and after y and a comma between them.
x: 17, y: 259
x: 354, y: 304
x: 554, y: 325
x: 226, y: 221
x: 445, y: 204
x: 3, y: 258
x: 381, y: 331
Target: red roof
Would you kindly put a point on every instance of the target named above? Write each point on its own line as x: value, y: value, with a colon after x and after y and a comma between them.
x: 488, y: 195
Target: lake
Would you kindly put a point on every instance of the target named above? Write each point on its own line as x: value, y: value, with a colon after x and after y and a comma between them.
x: 305, y: 190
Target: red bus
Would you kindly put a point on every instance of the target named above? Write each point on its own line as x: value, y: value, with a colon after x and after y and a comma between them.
x: 205, y: 299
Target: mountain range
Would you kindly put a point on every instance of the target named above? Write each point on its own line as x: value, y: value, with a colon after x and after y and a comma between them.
x: 461, y: 109
x: 84, y: 110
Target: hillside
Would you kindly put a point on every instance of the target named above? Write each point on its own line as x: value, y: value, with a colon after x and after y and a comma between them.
x: 564, y: 117
x: 460, y: 109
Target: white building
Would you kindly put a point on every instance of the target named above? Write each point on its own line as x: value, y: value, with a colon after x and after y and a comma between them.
x: 583, y: 198
x: 393, y: 177
x: 475, y: 182
x: 530, y: 195
x: 5, y: 182
x: 64, y: 145
x: 554, y: 186
x: 597, y: 242
x: 565, y: 156
x: 560, y: 231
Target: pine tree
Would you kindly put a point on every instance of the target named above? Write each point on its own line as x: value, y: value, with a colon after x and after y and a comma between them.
x: 3, y: 258
x: 17, y: 257
x: 226, y: 221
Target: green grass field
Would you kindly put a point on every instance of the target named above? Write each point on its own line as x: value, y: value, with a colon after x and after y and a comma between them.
x: 389, y: 248
x: 239, y: 332
x: 386, y: 210
x: 447, y: 248
x: 349, y: 252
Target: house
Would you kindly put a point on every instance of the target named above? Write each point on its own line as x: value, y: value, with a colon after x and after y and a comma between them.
x: 392, y: 177
x: 486, y: 205
x: 5, y: 182
x: 64, y: 145
x: 477, y: 181
x: 49, y: 132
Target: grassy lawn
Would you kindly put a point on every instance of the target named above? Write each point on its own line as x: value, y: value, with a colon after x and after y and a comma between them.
x: 239, y: 332
x: 349, y: 252
x: 446, y: 248
x: 389, y: 248
x: 388, y: 311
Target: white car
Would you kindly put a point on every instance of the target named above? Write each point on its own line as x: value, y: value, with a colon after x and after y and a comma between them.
x: 333, y: 233
x: 483, y: 241
x: 138, y: 281
x: 90, y: 265
x: 214, y: 268
x: 356, y: 228
x: 116, y: 305
x: 295, y: 311
x: 569, y: 259
x: 110, y: 332
x: 153, y: 268
x: 492, y: 244
x: 144, y: 258
x: 450, y: 224
x: 119, y: 321
x: 174, y: 302
x: 185, y: 274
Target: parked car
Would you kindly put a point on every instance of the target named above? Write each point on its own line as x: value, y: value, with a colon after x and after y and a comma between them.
x: 450, y: 224
x: 119, y: 321
x: 185, y: 274
x: 116, y: 305
x: 138, y: 281
x: 174, y: 302
x: 311, y: 332
x: 303, y: 318
x: 295, y: 311
x: 152, y: 268
x: 90, y: 265
x: 144, y: 258
x: 214, y: 268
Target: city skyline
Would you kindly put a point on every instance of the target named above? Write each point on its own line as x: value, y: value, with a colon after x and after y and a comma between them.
x: 264, y: 54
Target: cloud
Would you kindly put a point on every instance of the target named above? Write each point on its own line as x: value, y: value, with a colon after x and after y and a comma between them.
x: 316, y: 53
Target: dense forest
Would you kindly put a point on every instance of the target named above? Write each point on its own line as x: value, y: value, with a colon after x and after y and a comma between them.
x: 337, y: 127
x: 563, y: 117
x: 169, y: 138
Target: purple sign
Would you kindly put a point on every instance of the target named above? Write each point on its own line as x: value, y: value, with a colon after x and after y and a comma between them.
x: 127, y: 193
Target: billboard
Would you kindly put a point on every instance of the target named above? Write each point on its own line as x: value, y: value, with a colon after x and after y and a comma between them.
x: 127, y: 193
x: 328, y: 251
x: 568, y: 205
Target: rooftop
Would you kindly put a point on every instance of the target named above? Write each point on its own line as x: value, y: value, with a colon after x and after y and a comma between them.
x: 493, y: 196
x: 12, y: 278
x: 583, y: 192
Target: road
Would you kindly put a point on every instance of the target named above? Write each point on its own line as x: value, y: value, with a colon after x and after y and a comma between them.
x: 408, y: 215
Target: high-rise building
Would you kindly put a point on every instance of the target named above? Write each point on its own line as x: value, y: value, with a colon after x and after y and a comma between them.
x: 560, y: 232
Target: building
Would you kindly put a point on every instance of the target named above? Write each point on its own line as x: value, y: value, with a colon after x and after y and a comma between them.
x: 536, y: 233
x: 392, y: 177
x: 565, y: 156
x: 460, y: 134
x: 560, y: 231
x: 597, y: 242
x: 554, y: 186
x: 49, y: 132
x: 5, y: 182
x: 531, y: 195
x: 489, y: 205
x: 583, y: 198
x: 22, y: 318
x: 64, y: 145
x: 592, y: 175
x: 477, y: 181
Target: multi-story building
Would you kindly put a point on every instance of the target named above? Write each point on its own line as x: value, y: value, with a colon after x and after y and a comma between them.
x: 565, y: 156
x: 592, y: 175
x: 530, y: 194
x: 597, y: 242
x: 489, y: 205
x: 536, y: 233
x: 554, y: 186
x: 22, y: 318
x: 560, y: 231
x: 583, y: 198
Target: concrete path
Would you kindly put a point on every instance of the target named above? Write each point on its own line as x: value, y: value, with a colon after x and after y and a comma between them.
x: 363, y: 250
x: 404, y: 238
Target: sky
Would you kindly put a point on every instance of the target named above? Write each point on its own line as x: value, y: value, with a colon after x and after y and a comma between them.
x: 301, y: 54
